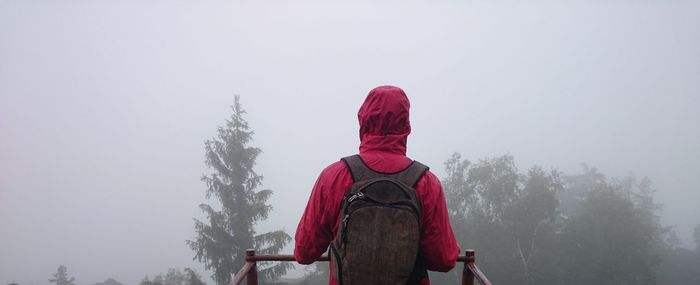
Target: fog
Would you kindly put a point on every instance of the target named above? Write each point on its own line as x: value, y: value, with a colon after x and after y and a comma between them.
x: 105, y: 105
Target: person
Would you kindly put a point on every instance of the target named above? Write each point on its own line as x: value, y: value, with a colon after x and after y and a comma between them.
x: 384, y: 129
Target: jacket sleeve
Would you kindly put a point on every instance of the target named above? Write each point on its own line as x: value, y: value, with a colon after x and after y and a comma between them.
x: 319, y: 222
x: 438, y: 246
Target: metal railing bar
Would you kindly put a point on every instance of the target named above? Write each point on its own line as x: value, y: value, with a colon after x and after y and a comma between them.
x: 478, y: 274
x: 279, y: 257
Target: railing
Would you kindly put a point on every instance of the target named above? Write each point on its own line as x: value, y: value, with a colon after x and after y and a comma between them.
x: 249, y: 271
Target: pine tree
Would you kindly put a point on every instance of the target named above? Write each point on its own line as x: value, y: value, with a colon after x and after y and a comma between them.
x: 193, y: 278
x: 61, y: 277
x: 221, y: 243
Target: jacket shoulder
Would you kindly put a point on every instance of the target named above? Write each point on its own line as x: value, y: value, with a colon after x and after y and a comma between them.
x: 429, y: 179
x: 334, y: 169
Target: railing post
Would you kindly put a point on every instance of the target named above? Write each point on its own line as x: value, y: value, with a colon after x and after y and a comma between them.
x: 467, y: 274
x: 252, y: 278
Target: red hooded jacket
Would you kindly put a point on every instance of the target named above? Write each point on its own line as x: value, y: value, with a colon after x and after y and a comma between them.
x: 384, y: 129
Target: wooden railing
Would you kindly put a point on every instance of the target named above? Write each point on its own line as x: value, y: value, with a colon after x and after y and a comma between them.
x: 249, y: 271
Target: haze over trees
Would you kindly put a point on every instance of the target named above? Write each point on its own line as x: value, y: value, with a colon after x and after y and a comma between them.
x: 528, y: 227
x: 109, y: 281
x: 174, y: 277
x: 222, y: 240
x: 508, y: 217
x: 547, y: 227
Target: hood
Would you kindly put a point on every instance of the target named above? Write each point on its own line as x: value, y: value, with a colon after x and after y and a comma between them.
x: 384, y: 121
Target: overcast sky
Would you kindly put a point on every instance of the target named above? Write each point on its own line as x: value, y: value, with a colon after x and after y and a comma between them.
x: 105, y: 105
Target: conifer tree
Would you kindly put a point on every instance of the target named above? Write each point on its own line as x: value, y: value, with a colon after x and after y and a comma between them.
x: 221, y: 243
x: 61, y: 277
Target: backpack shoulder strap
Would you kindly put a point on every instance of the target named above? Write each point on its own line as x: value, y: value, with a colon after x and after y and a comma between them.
x: 411, y: 175
x: 360, y: 171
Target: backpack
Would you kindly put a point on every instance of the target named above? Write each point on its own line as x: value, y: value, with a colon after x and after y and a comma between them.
x: 378, y: 240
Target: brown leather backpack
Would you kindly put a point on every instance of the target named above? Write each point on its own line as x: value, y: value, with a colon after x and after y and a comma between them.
x: 378, y: 240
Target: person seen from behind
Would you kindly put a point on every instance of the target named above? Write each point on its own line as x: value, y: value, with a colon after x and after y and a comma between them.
x: 382, y: 215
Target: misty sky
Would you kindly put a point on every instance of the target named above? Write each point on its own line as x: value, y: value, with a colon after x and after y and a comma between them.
x: 105, y: 105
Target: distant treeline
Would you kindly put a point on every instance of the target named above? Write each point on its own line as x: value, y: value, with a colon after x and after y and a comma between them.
x: 173, y: 277
x: 547, y: 227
